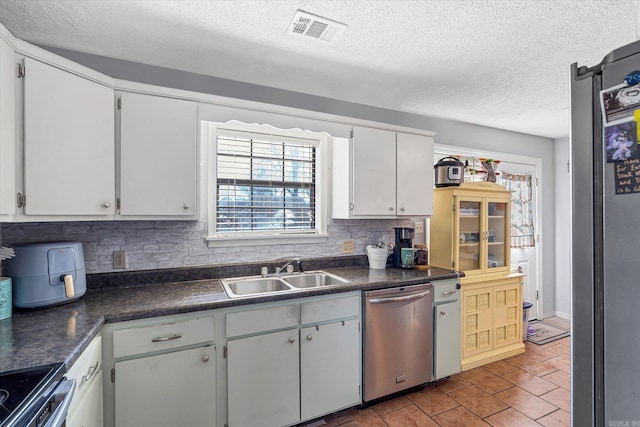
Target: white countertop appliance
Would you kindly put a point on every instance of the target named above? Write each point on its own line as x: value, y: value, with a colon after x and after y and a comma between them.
x: 46, y: 274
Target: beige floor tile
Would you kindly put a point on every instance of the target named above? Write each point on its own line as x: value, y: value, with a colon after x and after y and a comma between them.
x: 510, y: 418
x: 560, y: 378
x: 409, y: 416
x: 530, y: 405
x: 391, y: 405
x: 454, y: 383
x: 478, y: 401
x: 529, y: 382
x: 485, y: 380
x: 561, y: 362
x: 531, y: 365
x: 559, y: 397
x: 500, y: 368
x: 368, y: 418
x: 558, y: 418
x: 432, y: 401
x: 459, y: 417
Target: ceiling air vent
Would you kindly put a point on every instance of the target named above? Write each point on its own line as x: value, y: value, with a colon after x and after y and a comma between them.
x: 317, y: 27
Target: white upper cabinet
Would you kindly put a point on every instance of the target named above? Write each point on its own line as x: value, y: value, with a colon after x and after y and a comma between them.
x: 7, y: 130
x: 382, y: 174
x: 414, y: 174
x: 69, y: 149
x: 158, y: 156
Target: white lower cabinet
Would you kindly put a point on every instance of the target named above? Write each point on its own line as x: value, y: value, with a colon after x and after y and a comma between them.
x: 295, y: 361
x: 263, y: 380
x: 85, y: 409
x: 329, y: 367
x: 172, y: 389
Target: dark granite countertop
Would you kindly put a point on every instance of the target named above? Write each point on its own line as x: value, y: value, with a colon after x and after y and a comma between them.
x: 60, y: 334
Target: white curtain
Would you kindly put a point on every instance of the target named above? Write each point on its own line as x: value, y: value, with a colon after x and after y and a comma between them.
x: 522, y: 232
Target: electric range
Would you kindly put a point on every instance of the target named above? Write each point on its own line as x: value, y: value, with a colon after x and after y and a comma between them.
x: 35, y: 397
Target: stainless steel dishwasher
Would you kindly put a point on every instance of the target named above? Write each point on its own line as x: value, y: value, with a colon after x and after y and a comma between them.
x: 398, y: 339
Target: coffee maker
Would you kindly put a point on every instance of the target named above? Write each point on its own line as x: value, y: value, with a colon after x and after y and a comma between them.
x: 403, y: 239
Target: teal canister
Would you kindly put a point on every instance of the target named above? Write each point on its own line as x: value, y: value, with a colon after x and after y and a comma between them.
x: 5, y: 297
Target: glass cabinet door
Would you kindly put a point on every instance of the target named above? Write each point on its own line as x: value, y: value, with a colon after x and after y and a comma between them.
x: 497, y: 234
x: 470, y: 235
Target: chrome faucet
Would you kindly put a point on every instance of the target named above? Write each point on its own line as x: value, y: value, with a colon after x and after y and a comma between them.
x: 282, y: 270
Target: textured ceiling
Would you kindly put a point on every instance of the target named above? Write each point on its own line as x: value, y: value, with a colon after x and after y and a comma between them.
x: 499, y: 63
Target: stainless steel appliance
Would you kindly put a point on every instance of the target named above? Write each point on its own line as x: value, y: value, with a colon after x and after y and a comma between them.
x: 46, y: 274
x: 403, y: 239
x: 35, y: 397
x: 606, y: 241
x: 449, y: 171
x: 398, y: 334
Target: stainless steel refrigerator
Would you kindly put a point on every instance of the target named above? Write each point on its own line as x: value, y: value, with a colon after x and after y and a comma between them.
x: 606, y: 242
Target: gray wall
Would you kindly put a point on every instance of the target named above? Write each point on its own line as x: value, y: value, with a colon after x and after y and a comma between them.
x: 448, y: 132
x: 563, y: 227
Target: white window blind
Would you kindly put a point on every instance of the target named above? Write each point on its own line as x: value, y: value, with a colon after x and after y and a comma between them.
x: 265, y: 183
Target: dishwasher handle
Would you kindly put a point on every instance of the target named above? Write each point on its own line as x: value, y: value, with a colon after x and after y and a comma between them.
x: 399, y: 299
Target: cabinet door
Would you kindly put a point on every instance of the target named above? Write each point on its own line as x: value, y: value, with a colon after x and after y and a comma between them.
x: 263, y: 380
x: 68, y: 143
x: 330, y: 368
x: 507, y: 314
x: 158, y: 162
x: 7, y: 130
x: 446, y: 340
x: 414, y: 185
x: 172, y: 389
x: 374, y: 172
x: 468, y: 234
x: 477, y: 321
x: 89, y: 411
x: 498, y: 235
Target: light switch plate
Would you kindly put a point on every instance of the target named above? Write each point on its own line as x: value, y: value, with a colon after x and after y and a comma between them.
x: 120, y: 260
x: 347, y: 246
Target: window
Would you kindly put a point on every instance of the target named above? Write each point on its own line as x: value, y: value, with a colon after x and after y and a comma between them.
x: 265, y: 185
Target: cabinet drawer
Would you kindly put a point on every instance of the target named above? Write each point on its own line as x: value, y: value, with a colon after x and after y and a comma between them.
x: 138, y: 340
x: 85, y: 370
x: 262, y: 320
x: 445, y: 290
x: 329, y: 309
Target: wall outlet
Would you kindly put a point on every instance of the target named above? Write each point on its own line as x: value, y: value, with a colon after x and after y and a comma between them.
x: 419, y: 227
x: 120, y: 259
x: 347, y: 246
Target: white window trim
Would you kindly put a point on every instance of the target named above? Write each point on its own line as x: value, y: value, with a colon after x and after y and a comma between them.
x: 323, y: 189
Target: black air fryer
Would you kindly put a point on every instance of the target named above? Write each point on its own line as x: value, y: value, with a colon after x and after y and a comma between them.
x: 404, y: 239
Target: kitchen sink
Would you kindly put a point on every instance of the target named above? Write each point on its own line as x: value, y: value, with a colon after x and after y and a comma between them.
x: 258, y: 285
x: 250, y: 286
x: 314, y: 280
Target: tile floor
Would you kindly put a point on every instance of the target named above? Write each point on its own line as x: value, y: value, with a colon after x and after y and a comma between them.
x: 530, y: 389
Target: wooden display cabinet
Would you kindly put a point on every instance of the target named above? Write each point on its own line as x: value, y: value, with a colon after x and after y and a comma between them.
x: 470, y: 231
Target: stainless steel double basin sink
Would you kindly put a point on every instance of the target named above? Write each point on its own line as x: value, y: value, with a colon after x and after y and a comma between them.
x: 257, y: 285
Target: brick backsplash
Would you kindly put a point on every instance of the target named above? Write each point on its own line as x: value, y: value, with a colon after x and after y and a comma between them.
x: 171, y: 244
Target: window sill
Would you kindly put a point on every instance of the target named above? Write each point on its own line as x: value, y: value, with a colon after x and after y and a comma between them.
x: 232, y: 241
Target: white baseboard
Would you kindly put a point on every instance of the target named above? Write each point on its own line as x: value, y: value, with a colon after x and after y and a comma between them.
x: 563, y: 315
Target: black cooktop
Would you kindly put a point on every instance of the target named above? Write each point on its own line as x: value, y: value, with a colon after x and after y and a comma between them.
x: 20, y: 389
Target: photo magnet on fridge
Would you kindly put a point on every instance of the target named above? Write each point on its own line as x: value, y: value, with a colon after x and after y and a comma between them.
x: 621, y: 142
x: 619, y: 102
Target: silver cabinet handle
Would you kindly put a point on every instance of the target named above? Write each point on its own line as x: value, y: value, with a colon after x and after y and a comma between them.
x: 442, y: 313
x: 205, y: 358
x: 309, y: 337
x: 399, y: 299
x: 391, y: 208
x: 163, y: 339
x: 292, y: 340
x: 449, y: 292
x: 92, y: 371
x: 401, y: 209
x: 106, y: 205
x: 185, y: 206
